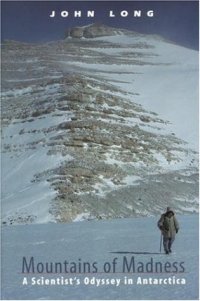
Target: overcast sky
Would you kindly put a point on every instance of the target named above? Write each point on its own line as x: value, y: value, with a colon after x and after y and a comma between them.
x: 29, y: 21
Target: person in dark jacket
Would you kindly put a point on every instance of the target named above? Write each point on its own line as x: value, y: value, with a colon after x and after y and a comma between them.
x: 169, y: 226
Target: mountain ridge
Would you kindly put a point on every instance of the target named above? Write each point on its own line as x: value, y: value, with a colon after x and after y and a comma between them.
x: 83, y: 120
x: 98, y: 29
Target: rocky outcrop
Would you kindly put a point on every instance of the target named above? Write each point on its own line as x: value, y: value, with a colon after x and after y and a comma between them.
x: 76, y: 32
x: 98, y: 30
x: 92, y: 31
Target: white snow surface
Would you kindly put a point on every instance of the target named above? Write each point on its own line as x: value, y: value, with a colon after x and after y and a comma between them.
x: 27, y: 197
x: 22, y: 194
x: 99, y: 242
x: 169, y: 88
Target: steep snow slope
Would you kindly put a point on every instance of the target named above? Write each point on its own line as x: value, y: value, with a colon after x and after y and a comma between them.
x: 98, y: 128
x: 100, y: 242
x: 165, y: 81
x: 24, y: 198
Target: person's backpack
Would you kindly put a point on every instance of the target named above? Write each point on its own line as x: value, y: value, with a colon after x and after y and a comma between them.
x: 165, y: 224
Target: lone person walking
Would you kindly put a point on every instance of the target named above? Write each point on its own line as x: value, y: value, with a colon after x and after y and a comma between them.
x: 169, y: 226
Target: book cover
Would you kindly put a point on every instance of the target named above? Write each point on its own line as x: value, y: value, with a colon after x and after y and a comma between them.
x: 99, y: 156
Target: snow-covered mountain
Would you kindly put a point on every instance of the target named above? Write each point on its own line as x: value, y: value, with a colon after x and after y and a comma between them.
x: 98, y: 127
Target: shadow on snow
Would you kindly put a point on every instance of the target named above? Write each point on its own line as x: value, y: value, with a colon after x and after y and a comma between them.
x: 137, y: 253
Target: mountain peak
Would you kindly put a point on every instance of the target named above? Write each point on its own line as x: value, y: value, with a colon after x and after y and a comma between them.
x: 94, y: 30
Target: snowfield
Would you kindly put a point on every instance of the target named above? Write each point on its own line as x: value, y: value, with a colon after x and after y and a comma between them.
x: 169, y: 88
x: 23, y: 196
x: 99, y: 242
